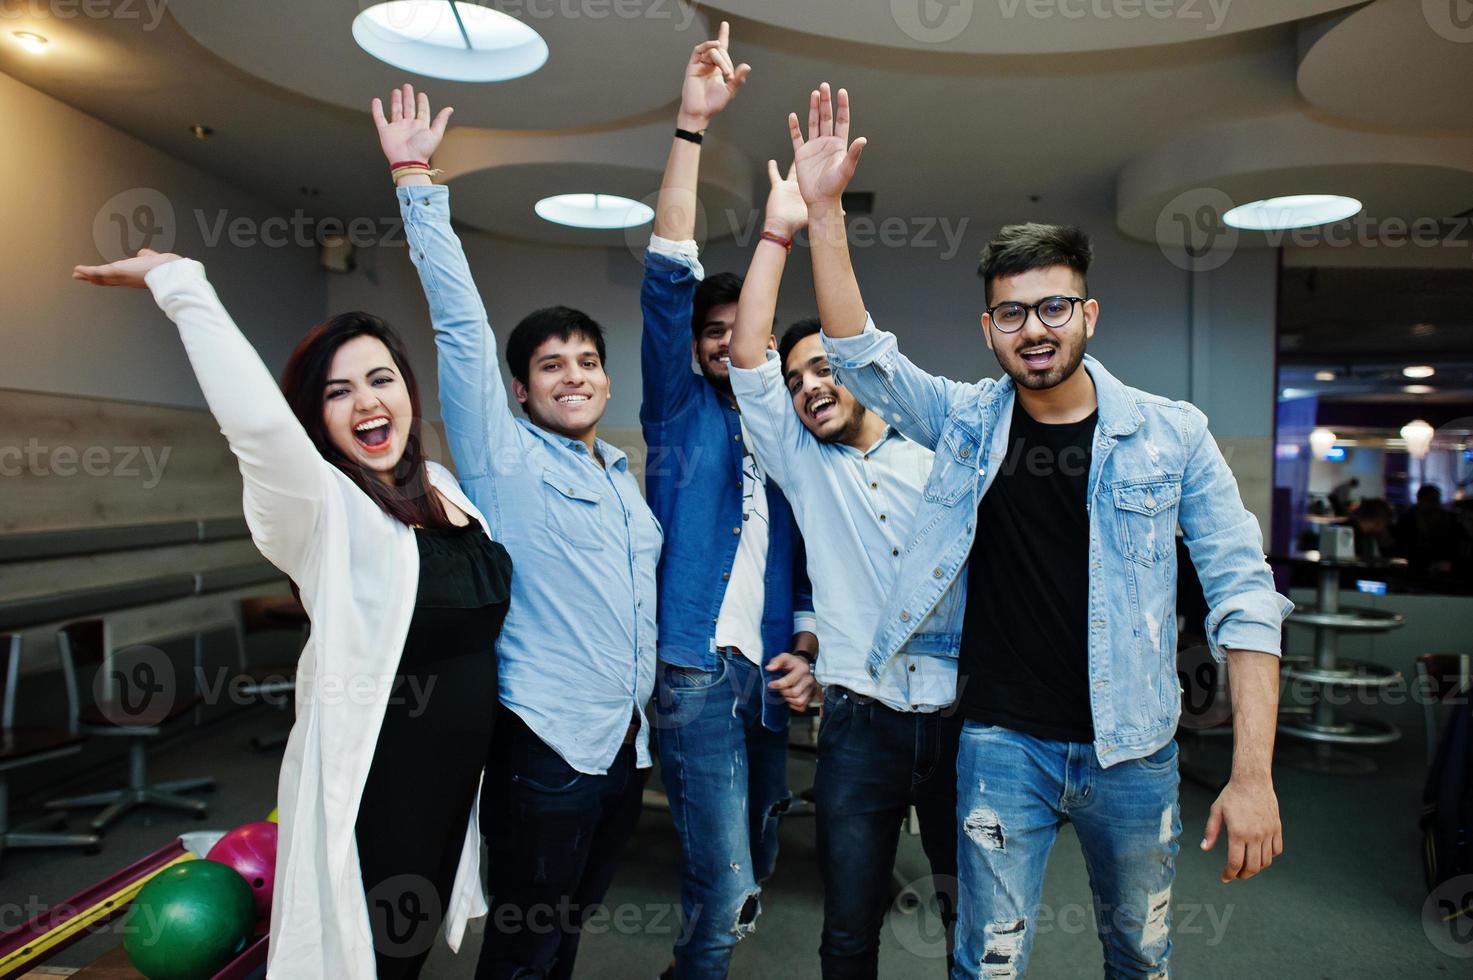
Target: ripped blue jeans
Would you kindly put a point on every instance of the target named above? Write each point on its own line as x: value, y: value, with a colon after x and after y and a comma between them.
x: 1013, y: 793
x: 727, y: 780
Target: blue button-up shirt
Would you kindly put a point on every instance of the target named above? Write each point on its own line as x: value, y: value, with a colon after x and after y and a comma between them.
x: 576, y: 655
x: 855, y: 510
x: 693, y: 477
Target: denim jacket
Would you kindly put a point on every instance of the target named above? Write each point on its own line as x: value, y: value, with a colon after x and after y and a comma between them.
x: 1153, y: 465
x: 693, y: 481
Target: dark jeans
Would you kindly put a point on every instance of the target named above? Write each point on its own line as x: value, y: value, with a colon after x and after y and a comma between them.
x: 727, y: 779
x: 554, y: 837
x: 874, y: 764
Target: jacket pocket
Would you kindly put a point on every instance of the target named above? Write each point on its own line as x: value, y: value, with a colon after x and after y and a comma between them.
x: 954, y: 470
x: 572, y: 512
x: 1146, y: 514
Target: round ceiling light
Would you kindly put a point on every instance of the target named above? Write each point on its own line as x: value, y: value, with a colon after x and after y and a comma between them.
x: 1297, y: 211
x: 450, y: 39
x: 31, y: 41
x: 594, y: 211
x: 1419, y: 371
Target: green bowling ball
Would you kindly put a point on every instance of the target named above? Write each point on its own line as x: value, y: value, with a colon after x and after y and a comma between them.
x: 189, y: 921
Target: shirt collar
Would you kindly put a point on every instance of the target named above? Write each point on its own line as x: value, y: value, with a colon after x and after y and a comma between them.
x: 612, y: 455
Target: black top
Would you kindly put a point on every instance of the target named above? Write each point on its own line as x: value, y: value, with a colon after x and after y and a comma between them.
x: 464, y: 591
x: 1024, y: 661
x: 432, y: 746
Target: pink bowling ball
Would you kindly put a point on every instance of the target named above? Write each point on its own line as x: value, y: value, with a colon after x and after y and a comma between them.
x: 251, y: 850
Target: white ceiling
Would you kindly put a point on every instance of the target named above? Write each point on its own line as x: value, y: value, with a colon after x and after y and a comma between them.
x: 1159, y: 107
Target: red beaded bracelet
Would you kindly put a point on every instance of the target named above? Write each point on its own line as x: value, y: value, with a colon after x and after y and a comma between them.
x: 786, y: 243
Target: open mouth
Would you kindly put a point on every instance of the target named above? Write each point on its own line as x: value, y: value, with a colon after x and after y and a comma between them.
x: 822, y: 406
x: 571, y: 399
x: 373, y: 434
x: 1040, y: 357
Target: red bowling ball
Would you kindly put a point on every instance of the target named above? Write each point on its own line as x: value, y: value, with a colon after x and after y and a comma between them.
x: 251, y: 850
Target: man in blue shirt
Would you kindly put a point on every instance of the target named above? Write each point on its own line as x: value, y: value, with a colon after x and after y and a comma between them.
x: 888, y: 743
x: 1071, y: 485
x: 732, y: 654
x: 576, y: 656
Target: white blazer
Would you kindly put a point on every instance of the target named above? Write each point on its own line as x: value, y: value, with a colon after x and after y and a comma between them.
x: 358, y: 572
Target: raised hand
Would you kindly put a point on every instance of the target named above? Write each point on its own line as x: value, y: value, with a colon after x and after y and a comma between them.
x: 710, y: 81
x: 409, y: 133
x: 124, y: 272
x: 825, y: 162
x: 787, y: 212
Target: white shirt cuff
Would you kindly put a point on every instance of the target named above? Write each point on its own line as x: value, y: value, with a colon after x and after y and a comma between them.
x: 681, y: 251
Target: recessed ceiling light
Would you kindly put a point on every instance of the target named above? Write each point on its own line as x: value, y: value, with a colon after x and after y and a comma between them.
x: 1419, y: 371
x: 1296, y: 211
x: 451, y: 39
x: 594, y: 211
x: 1324, y: 375
x: 31, y: 41
x: 1418, y: 389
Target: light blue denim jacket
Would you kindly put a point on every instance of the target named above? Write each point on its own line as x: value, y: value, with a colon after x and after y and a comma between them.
x: 1153, y: 465
x: 576, y: 654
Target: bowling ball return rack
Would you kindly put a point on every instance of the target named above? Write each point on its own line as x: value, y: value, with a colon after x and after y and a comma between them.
x: 91, y: 910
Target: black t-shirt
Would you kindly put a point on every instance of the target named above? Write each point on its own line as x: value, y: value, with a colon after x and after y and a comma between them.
x: 1024, y: 659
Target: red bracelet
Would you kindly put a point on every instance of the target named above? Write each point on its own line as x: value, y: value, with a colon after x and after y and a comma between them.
x: 409, y: 163
x: 786, y: 243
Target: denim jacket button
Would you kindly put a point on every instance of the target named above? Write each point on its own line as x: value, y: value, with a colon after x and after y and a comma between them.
x: 965, y: 452
x: 1150, y: 500
x: 904, y: 617
x: 935, y: 573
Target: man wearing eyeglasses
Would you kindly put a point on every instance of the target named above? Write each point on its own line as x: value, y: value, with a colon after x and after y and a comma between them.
x: 1072, y: 486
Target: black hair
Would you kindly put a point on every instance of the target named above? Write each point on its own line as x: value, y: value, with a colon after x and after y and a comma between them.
x: 1020, y: 248
x: 717, y: 290
x: 799, y: 331
x: 537, y: 327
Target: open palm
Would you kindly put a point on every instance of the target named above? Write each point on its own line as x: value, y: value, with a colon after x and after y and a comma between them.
x: 124, y: 272
x: 825, y: 162
x: 786, y: 210
x: 409, y: 132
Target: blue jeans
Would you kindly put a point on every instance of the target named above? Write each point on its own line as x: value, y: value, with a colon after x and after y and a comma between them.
x: 874, y: 764
x: 1013, y: 793
x: 554, y: 837
x: 727, y: 780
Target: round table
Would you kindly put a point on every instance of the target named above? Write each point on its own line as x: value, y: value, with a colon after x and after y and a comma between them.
x: 1330, y: 734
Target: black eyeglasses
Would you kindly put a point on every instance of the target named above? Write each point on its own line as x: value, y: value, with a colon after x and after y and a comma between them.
x: 1053, y: 311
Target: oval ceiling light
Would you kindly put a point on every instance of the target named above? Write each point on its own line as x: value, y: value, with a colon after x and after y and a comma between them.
x: 594, y: 211
x: 1324, y: 375
x: 1419, y: 371
x: 1418, y: 389
x: 1297, y: 211
x: 450, y: 39
x: 31, y: 41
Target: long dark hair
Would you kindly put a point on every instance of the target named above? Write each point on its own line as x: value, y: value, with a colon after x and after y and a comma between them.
x: 408, y: 498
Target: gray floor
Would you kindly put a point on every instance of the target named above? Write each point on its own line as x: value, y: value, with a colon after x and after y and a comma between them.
x: 1343, y: 902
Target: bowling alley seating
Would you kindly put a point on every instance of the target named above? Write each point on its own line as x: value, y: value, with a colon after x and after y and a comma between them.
x: 134, y: 696
x: 32, y: 746
x: 273, y: 681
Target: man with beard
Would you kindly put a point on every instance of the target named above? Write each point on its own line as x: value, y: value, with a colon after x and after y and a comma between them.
x: 732, y: 655
x: 888, y: 742
x: 1072, y: 486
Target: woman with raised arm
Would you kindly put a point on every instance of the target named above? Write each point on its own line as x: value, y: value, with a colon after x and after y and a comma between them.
x: 396, y: 689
